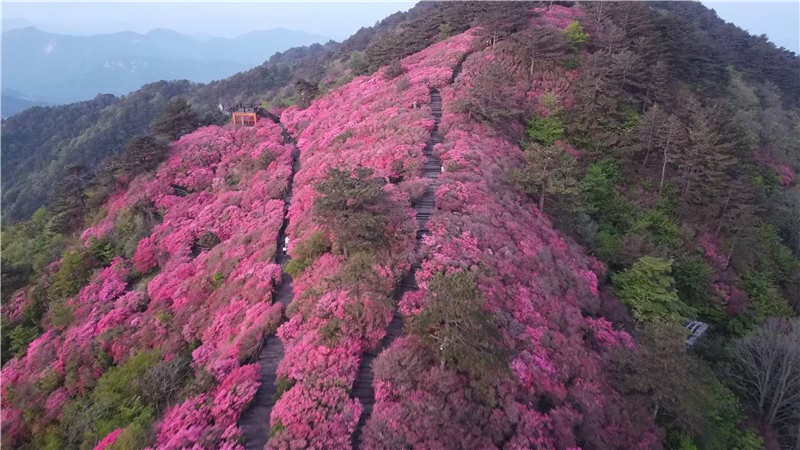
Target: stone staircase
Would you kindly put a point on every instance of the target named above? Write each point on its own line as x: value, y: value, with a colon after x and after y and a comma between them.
x: 424, y: 206
x: 254, y: 423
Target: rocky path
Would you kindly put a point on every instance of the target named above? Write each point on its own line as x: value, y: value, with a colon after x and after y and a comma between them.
x: 255, y: 420
x: 362, y: 388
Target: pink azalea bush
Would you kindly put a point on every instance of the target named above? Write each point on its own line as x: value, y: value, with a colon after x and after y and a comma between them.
x: 166, y: 298
x: 370, y: 122
x: 108, y: 440
x: 527, y: 274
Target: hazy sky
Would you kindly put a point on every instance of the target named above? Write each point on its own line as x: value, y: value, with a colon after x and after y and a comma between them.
x: 336, y: 20
x: 778, y: 20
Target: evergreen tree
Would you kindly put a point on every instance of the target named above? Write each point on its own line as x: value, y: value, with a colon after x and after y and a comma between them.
x: 647, y: 288
x: 549, y: 170
x: 539, y: 47
x: 143, y: 153
x: 706, y: 157
x: 457, y: 327
x: 493, y: 99
x: 305, y: 92
x: 177, y: 119
x: 69, y: 199
x: 353, y: 209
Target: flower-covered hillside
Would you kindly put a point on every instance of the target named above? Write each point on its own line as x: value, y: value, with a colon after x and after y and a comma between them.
x: 174, y: 323
x: 503, y: 352
x: 352, y: 237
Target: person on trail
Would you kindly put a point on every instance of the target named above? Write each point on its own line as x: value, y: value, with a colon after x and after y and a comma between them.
x: 286, y: 245
x: 414, y: 105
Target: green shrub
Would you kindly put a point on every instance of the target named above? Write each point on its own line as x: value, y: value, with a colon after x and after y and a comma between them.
x: 21, y: 337
x: 76, y: 268
x: 103, y: 250
x: 276, y: 428
x: 445, y: 31
x: 307, y: 251
x: 343, y: 137
x: 357, y: 63
x: 134, y: 437
x: 116, y: 401
x: 545, y: 130
x: 217, y: 280
x: 574, y: 33
x: 647, y: 288
x: 572, y: 63
x: 61, y: 314
x: 284, y: 384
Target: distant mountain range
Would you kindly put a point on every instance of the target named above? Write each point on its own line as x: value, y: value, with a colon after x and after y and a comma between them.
x: 56, y: 68
x: 14, y: 101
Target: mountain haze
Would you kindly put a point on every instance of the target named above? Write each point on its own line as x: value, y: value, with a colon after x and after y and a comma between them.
x: 57, y: 68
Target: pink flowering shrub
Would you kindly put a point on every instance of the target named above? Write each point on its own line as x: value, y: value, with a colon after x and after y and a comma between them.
x: 16, y: 304
x: 370, y: 123
x: 108, y: 440
x: 555, y: 15
x: 712, y: 250
x: 784, y: 173
x: 167, y: 297
x: 532, y: 277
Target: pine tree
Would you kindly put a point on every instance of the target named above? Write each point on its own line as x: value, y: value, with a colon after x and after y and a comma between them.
x: 143, y: 153
x: 306, y: 92
x: 706, y: 157
x: 539, y: 47
x: 353, y: 209
x: 456, y: 325
x: 177, y: 119
x: 492, y: 99
x: 69, y: 199
x: 549, y: 170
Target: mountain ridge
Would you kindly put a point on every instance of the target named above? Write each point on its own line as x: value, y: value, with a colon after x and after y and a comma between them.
x: 59, y: 68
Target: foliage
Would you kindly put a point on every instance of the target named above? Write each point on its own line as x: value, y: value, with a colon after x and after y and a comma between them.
x: 764, y: 369
x: 549, y: 170
x: 648, y: 289
x: 445, y: 31
x: 143, y: 153
x: 357, y: 64
x: 175, y: 120
x: 209, y: 240
x: 545, y: 130
x: 352, y: 209
x: 76, y: 267
x: 679, y: 391
x: 493, y: 99
x: 456, y: 326
x: 574, y: 33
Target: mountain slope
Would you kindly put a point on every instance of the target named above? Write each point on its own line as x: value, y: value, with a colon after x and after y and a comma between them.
x: 669, y: 177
